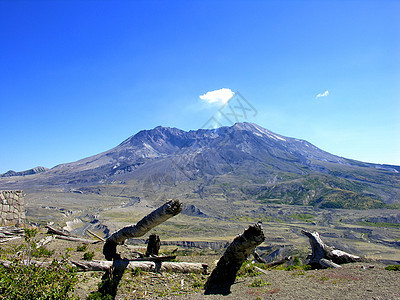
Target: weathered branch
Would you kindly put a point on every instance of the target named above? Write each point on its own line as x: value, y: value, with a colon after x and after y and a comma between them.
x: 55, y: 231
x: 95, y: 235
x: 149, y: 266
x: 158, y: 216
x: 278, y: 262
x: 75, y: 239
x: 258, y: 258
x: 229, y: 264
x: 101, y: 265
x: 44, y: 241
x: 10, y: 239
x: 326, y: 256
x: 155, y: 258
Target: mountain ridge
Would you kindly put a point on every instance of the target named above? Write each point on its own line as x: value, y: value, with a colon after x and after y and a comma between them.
x: 257, y: 162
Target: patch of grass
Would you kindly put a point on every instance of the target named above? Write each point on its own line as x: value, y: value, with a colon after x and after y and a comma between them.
x: 299, y: 273
x: 380, y: 224
x: 299, y: 267
x: 302, y: 217
x: 247, y: 270
x: 323, y: 278
x: 393, y: 268
x: 136, y: 272
x: 81, y: 248
x: 258, y: 282
x: 88, y: 255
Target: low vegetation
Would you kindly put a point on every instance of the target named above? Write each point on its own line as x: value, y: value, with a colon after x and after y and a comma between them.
x: 393, y: 268
x: 23, y: 279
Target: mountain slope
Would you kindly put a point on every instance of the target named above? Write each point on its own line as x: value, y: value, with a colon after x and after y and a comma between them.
x: 235, y: 163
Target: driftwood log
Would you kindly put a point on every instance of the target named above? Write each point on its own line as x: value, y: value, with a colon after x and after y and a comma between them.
x: 229, y: 264
x: 44, y: 241
x: 149, y: 266
x: 324, y: 256
x: 75, y: 239
x: 56, y: 231
x: 158, y: 216
x: 95, y: 235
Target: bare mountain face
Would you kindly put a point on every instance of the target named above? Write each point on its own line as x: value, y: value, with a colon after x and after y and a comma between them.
x: 238, y: 162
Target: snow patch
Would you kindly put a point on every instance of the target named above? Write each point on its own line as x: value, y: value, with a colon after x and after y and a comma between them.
x: 269, y: 134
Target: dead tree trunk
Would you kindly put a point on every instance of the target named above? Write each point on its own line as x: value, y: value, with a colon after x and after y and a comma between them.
x: 153, y: 246
x: 229, y: 264
x: 324, y: 256
x: 158, y: 216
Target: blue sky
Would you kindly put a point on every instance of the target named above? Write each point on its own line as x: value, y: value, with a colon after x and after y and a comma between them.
x: 79, y: 77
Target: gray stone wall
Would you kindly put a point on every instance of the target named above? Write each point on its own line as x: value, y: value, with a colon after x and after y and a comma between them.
x: 12, y: 208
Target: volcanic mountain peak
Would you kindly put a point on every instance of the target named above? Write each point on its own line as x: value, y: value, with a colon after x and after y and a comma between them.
x: 250, y: 157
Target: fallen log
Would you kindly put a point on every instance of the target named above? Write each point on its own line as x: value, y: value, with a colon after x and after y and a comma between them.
x: 258, y: 258
x: 148, y: 266
x: 324, y: 256
x: 95, y: 235
x: 44, y: 241
x: 101, y: 265
x: 55, y: 231
x: 158, y: 216
x: 155, y: 258
x: 261, y: 270
x: 10, y: 231
x: 224, y: 274
x: 25, y: 262
x: 75, y: 239
x: 278, y: 262
x: 9, y: 239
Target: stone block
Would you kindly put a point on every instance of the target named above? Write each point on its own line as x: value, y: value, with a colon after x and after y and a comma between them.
x: 6, y: 208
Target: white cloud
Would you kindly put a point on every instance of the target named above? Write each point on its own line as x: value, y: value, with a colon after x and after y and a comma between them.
x: 220, y: 96
x: 324, y: 94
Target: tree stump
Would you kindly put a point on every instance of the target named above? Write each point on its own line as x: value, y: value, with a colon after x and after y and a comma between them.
x: 324, y: 256
x: 158, y: 216
x: 229, y: 264
x: 153, y: 246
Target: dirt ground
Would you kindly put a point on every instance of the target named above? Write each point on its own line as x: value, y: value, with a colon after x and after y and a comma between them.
x: 352, y: 281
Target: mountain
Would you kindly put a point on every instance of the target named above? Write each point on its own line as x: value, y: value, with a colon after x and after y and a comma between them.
x: 238, y: 162
x: 23, y: 173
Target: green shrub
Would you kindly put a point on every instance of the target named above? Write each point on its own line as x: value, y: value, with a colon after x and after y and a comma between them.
x: 136, y: 271
x: 247, y: 270
x: 81, y: 248
x: 393, y: 268
x: 88, y: 255
x: 25, y: 280
x: 258, y: 282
